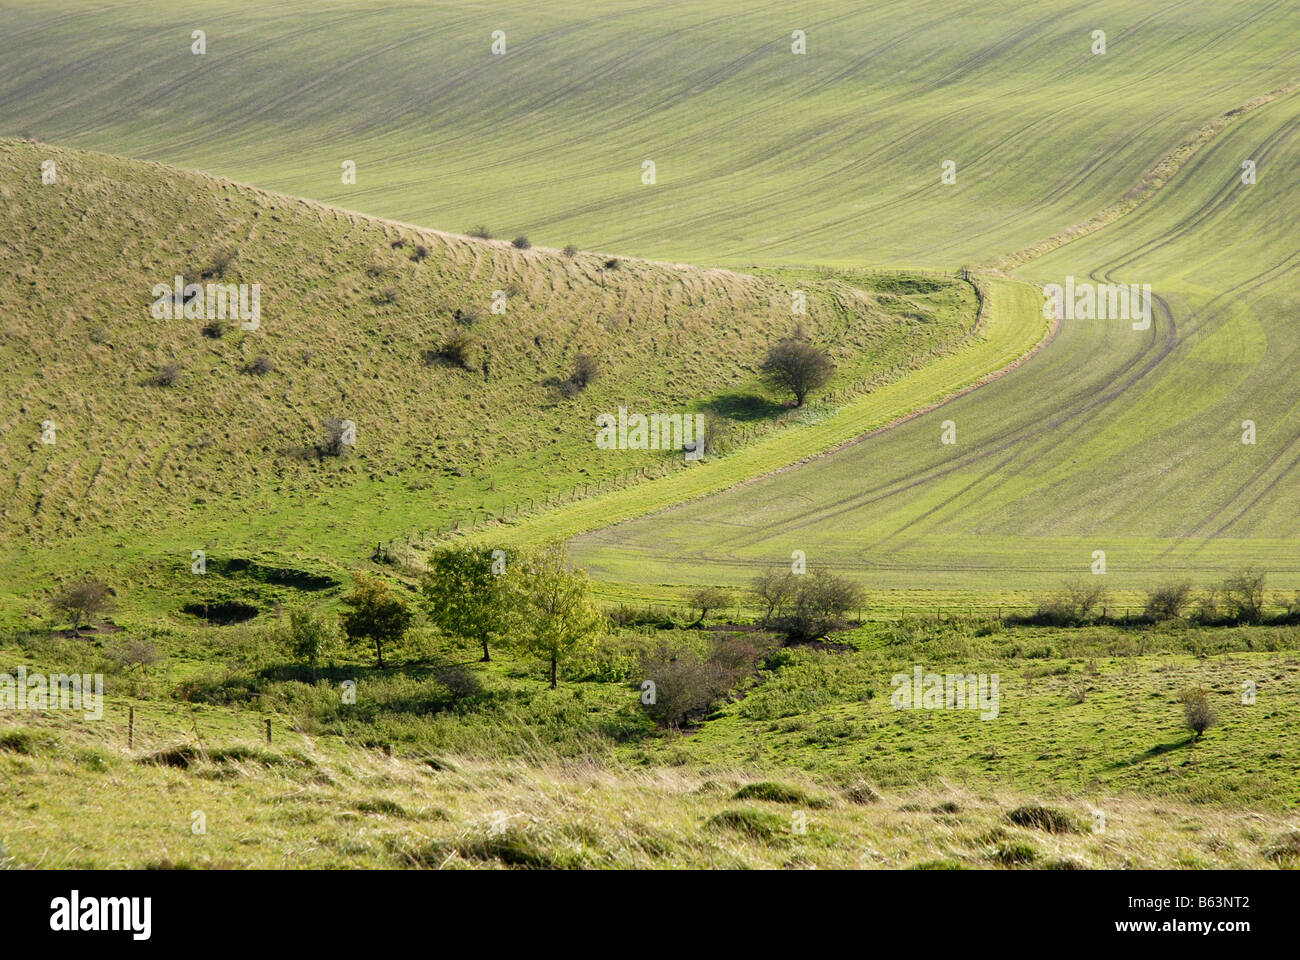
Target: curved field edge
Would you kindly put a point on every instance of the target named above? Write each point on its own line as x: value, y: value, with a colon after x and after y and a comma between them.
x: 1011, y: 329
x: 1155, y: 179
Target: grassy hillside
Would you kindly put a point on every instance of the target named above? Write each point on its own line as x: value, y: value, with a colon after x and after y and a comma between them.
x: 353, y: 311
x: 762, y: 155
x: 1110, y: 439
x: 1086, y: 765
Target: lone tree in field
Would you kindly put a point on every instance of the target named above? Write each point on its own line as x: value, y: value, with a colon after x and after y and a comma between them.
x: 707, y: 599
x: 556, y: 609
x: 377, y: 615
x: 1197, y: 712
x: 469, y: 594
x: 797, y: 366
x: 83, y: 601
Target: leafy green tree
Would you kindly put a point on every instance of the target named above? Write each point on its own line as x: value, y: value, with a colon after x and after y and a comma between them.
x: 377, y: 615
x: 309, y: 637
x: 469, y: 595
x: 557, y: 612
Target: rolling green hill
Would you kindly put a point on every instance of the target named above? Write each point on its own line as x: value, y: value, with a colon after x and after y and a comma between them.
x: 355, y: 320
x: 762, y: 155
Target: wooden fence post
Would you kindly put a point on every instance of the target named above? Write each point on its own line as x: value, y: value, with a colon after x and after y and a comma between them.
x: 130, y: 728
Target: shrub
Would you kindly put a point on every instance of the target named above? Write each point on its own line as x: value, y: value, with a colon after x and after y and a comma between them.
x: 706, y: 599
x: 818, y: 605
x: 467, y: 316
x: 520, y: 242
x: 797, y: 366
x: 337, y: 437
x: 756, y: 824
x: 167, y: 375
x: 688, y: 683
x: 774, y: 589
x: 458, y: 350
x: 459, y: 682
x: 260, y: 365
x: 218, y: 264
x: 585, y: 370
x: 481, y: 232
x: 1168, y: 602
x: 1244, y: 595
x: 136, y: 652
x: 213, y: 329
x: 83, y: 601
x: 420, y: 253
x: 309, y: 637
x: 570, y: 251
x: 387, y: 295
x: 1198, y: 715
x: 1043, y: 818
x: 611, y: 263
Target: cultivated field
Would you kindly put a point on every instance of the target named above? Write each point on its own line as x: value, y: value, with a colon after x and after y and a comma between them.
x: 609, y: 205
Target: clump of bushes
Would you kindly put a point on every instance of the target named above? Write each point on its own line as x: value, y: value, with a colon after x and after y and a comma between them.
x: 688, y: 683
x: 1077, y: 602
x: 611, y: 263
x: 481, y: 232
x: 708, y: 599
x: 806, y: 606
x: 83, y: 601
x: 585, y: 370
x: 467, y: 316
x: 218, y: 264
x: 213, y: 330
x: 520, y: 242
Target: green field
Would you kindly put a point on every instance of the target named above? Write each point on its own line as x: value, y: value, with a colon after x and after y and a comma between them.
x: 127, y: 443
x: 832, y: 157
x: 1110, y: 439
x: 762, y: 156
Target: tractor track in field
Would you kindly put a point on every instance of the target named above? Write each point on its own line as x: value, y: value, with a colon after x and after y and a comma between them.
x: 1075, y: 412
x: 1001, y: 454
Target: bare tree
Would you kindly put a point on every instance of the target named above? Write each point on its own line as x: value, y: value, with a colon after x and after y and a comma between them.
x: 797, y: 366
